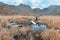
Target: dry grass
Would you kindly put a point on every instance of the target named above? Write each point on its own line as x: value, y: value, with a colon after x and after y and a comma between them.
x: 49, y: 34
x: 50, y: 20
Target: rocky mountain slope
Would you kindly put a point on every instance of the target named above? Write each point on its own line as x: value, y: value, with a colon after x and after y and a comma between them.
x: 26, y: 10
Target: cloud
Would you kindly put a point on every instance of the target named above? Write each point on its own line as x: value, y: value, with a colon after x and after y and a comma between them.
x: 19, y: 1
x: 33, y: 3
x: 3, y: 1
x: 40, y: 3
x: 12, y: 2
x: 54, y: 2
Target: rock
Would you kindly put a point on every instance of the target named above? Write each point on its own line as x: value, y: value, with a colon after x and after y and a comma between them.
x: 38, y: 28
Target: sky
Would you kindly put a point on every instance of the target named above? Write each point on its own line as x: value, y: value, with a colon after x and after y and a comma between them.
x: 33, y: 3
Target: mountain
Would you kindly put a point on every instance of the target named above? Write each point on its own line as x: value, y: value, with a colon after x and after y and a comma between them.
x: 26, y: 10
x: 37, y: 11
x: 52, y: 10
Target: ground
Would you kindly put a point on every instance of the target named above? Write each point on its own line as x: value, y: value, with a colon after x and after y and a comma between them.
x: 52, y: 33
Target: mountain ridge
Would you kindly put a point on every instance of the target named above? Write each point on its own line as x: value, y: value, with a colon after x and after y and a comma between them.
x: 23, y: 9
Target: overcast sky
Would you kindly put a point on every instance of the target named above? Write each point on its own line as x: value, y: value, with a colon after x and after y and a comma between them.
x: 33, y: 3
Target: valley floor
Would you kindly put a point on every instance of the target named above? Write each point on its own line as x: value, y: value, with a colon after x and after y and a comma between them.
x: 9, y: 32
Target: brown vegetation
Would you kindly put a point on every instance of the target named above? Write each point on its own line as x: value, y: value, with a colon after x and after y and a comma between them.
x: 52, y: 33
